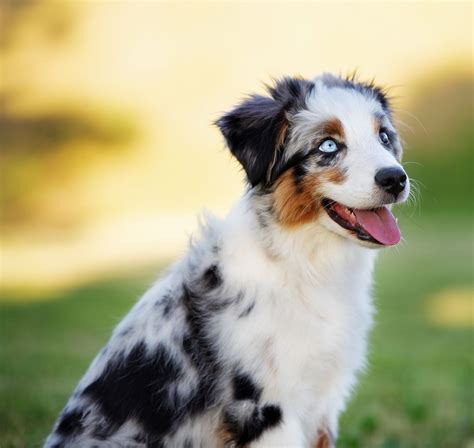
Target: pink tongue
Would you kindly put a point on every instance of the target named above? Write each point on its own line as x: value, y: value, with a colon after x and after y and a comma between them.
x: 380, y: 224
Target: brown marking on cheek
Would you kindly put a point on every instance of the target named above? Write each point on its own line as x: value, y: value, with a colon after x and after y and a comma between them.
x: 296, y: 204
x: 333, y: 127
x: 325, y: 439
x: 334, y: 175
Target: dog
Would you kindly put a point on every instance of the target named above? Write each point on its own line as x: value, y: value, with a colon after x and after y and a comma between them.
x: 255, y: 338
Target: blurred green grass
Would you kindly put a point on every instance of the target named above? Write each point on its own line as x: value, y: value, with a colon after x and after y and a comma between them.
x: 419, y: 388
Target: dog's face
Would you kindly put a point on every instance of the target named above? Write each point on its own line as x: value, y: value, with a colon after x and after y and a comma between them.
x: 324, y: 150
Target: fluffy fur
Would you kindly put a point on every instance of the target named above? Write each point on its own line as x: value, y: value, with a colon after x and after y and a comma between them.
x: 255, y: 337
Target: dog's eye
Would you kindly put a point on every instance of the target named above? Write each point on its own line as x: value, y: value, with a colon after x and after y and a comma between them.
x: 328, y: 145
x: 384, y: 138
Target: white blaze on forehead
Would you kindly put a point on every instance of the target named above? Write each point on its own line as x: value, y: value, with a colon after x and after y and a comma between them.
x: 354, y: 109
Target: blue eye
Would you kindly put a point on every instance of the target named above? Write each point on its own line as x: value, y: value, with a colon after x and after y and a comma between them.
x: 328, y: 146
x: 384, y: 138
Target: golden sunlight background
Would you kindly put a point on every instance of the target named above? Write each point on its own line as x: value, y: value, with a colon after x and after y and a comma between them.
x: 108, y: 154
x: 108, y: 148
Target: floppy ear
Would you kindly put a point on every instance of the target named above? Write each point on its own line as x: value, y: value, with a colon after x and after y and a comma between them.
x: 254, y: 131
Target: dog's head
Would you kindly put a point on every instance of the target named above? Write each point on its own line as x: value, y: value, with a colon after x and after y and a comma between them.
x: 324, y: 150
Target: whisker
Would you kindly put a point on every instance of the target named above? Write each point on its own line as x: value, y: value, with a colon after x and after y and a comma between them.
x: 415, y: 118
x: 412, y: 162
x: 401, y: 123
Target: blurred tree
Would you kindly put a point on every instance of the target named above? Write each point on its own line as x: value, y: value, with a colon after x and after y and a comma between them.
x: 55, y: 24
x: 37, y: 145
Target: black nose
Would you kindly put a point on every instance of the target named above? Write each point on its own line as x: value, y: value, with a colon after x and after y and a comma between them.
x: 392, y: 180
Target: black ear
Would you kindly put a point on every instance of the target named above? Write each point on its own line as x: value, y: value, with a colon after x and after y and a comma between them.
x: 252, y: 131
x: 255, y: 130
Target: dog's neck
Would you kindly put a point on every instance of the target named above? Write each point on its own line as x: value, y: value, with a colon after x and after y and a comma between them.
x: 309, y: 253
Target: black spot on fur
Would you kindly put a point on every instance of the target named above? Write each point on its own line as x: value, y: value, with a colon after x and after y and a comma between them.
x: 252, y: 427
x: 135, y: 386
x: 71, y: 423
x: 299, y: 173
x: 144, y: 384
x: 188, y: 345
x: 256, y: 128
x: 168, y: 304
x: 245, y: 388
x: 212, y: 277
x: 247, y: 310
x: 198, y: 346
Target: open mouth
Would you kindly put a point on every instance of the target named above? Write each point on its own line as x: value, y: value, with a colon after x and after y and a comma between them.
x: 376, y: 225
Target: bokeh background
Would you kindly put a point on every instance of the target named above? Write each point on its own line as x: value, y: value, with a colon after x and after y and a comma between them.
x: 108, y: 154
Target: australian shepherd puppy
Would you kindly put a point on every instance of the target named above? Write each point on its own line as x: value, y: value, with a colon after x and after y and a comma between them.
x: 255, y: 337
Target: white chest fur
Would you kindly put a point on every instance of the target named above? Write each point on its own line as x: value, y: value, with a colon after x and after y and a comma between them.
x: 306, y: 336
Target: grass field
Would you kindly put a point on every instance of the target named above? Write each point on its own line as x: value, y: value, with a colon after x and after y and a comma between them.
x: 418, y: 391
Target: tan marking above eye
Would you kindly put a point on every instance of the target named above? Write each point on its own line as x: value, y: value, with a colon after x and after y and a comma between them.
x: 333, y: 127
